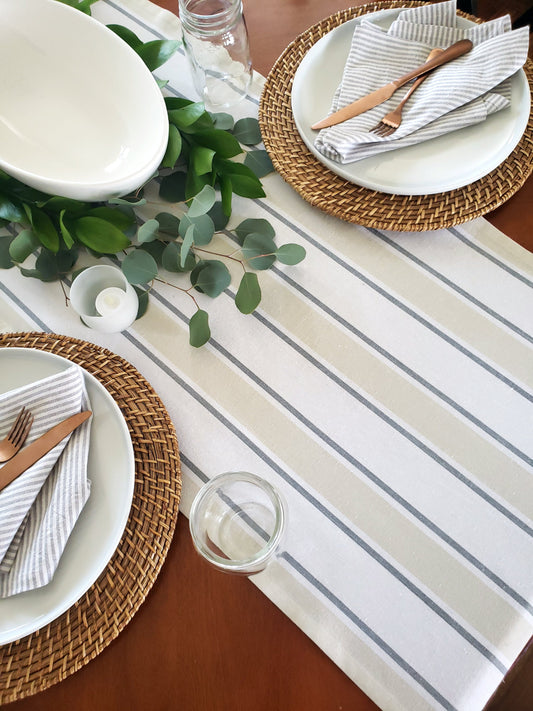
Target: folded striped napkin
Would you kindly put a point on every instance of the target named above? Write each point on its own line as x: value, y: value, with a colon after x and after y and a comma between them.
x: 461, y: 93
x: 39, y: 509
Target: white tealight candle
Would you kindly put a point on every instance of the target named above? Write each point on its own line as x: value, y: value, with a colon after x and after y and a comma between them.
x: 109, y: 300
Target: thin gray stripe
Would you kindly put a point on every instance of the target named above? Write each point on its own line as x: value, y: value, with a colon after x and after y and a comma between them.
x: 395, y: 425
x: 24, y: 308
x: 237, y: 432
x: 370, y: 475
x: 490, y: 257
x: 480, y: 305
x: 398, y: 303
x: 416, y: 676
x: 344, y: 609
x: 403, y: 367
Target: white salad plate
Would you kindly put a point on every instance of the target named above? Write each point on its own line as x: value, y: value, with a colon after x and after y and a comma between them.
x: 81, y: 115
x: 438, y: 165
x: 97, y: 533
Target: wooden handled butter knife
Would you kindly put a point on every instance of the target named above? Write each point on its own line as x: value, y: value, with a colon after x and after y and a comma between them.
x: 41, y: 446
x: 385, y: 92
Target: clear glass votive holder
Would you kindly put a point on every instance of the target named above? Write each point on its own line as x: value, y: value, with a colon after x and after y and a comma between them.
x: 237, y: 522
x: 216, y: 44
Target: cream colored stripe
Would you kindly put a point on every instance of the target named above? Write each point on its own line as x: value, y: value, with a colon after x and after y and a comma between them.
x: 407, y: 401
x: 450, y: 580
x: 419, y: 290
x: 354, y: 655
x: 12, y: 320
x: 500, y: 245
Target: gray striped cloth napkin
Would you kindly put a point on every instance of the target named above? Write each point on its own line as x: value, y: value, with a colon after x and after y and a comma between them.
x: 458, y: 94
x: 39, y: 509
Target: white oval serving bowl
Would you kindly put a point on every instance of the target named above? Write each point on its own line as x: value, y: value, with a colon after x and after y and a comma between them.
x: 80, y: 113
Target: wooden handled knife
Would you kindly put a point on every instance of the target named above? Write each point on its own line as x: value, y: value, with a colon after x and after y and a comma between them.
x: 24, y: 459
x: 385, y: 92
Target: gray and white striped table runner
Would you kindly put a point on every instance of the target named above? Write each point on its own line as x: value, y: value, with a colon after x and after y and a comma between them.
x: 385, y: 386
x: 459, y: 94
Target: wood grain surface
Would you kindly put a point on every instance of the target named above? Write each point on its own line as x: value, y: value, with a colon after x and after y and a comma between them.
x: 206, y: 641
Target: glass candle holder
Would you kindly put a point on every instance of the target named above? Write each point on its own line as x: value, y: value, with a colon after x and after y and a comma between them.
x: 215, y: 40
x: 237, y: 522
x: 103, y: 298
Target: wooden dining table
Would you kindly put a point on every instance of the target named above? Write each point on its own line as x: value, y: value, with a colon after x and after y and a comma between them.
x: 207, y: 641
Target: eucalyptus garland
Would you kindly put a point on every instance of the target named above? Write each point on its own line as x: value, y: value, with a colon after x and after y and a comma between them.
x: 198, y: 171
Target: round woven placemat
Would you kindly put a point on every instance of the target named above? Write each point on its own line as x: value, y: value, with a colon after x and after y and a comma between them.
x: 65, y: 645
x: 353, y: 203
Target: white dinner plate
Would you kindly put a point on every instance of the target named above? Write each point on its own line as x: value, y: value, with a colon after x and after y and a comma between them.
x: 80, y: 113
x: 111, y: 469
x: 438, y: 165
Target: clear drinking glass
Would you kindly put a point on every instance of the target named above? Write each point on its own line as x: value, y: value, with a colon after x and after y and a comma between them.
x: 237, y: 522
x: 215, y: 39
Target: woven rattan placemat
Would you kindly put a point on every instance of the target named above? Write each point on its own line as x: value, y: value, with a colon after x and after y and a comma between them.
x: 335, y: 195
x: 65, y: 645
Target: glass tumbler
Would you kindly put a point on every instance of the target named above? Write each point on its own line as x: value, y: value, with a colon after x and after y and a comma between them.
x: 215, y: 39
x: 237, y: 522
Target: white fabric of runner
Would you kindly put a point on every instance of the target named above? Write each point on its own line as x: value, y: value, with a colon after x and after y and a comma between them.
x: 459, y: 94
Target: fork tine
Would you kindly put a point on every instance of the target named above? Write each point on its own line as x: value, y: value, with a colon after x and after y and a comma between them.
x: 21, y: 427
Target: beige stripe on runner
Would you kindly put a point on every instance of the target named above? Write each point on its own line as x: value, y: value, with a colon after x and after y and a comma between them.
x: 435, y: 422
x: 425, y: 558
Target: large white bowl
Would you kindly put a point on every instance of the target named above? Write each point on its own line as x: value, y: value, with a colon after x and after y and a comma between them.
x: 80, y: 113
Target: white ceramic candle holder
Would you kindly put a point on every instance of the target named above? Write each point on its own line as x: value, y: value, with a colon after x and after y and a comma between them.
x: 104, y: 299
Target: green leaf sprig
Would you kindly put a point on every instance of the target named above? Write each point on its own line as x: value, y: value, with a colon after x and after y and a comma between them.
x: 199, y: 172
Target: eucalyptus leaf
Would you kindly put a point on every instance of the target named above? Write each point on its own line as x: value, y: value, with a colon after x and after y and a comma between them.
x: 139, y: 267
x: 186, y: 245
x: 248, y: 295
x: 219, y: 219
x: 203, y: 201
x: 247, y: 131
x: 132, y: 201
x: 199, y: 331
x: 148, y: 231
x: 99, y: 235
x: 169, y: 224
x: 258, y: 225
x: 156, y: 249
x: 142, y: 295
x: 157, y: 52
x: 223, y: 121
x: 290, y: 253
x: 212, y: 278
x: 259, y: 250
x: 259, y: 162
x: 171, y: 259
x: 173, y: 187
x: 23, y: 245
x: 204, y: 228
